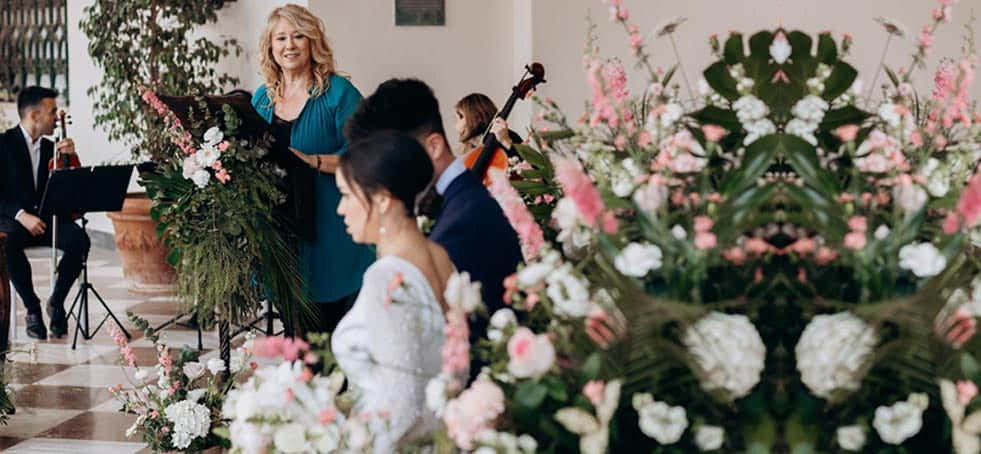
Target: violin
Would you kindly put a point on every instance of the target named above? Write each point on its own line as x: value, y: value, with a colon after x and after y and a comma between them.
x: 490, y: 154
x: 63, y: 160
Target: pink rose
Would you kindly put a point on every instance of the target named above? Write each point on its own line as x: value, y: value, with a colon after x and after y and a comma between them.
x: 530, y: 355
x: 858, y: 223
x: 223, y: 145
x: 952, y: 223
x: 705, y: 240
x: 594, y: 391
x: 735, y: 255
x: 855, y: 240
x: 703, y: 223
x: 966, y: 390
x: 473, y: 411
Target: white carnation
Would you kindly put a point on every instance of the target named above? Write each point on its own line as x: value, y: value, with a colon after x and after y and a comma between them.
x: 923, y: 259
x: 898, y: 422
x: 216, y: 365
x: 636, y: 260
x: 660, y: 421
x: 832, y: 352
x: 191, y: 420
x: 193, y: 370
x: 189, y: 167
x: 728, y: 353
x: 569, y: 293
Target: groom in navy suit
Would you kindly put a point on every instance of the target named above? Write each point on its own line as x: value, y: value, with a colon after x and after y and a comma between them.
x: 471, y: 225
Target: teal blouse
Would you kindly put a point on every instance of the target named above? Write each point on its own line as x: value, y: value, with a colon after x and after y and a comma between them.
x: 332, y: 265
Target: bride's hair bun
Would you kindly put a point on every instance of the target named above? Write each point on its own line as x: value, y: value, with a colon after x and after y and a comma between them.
x: 388, y: 160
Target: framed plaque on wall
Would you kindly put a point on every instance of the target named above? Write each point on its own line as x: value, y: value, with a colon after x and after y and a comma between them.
x: 420, y: 12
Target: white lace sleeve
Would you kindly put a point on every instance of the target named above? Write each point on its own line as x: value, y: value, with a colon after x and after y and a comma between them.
x: 398, y: 346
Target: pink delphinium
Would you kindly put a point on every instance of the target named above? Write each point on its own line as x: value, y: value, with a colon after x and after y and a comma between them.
x: 473, y: 411
x: 530, y: 233
x: 124, y: 348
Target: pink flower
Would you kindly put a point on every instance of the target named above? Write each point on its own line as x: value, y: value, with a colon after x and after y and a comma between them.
x: 529, y: 355
x: 523, y: 222
x: 846, y: 133
x: 473, y: 411
x: 456, y: 347
x: 644, y: 139
x: 327, y: 416
x: 222, y: 176
x: 858, y: 223
x: 958, y: 328
x: 610, y: 224
x: 393, y: 285
x: 825, y: 255
x: 969, y: 205
x: 593, y: 390
x: 705, y: 240
x: 757, y: 246
x: 804, y: 246
x: 952, y: 223
x: 510, y: 287
x: 124, y: 349
x: 703, y: 223
x: 223, y: 145
x: 580, y: 189
x: 600, y: 328
x: 713, y: 133
x: 736, y: 255
x: 966, y: 390
x: 855, y: 240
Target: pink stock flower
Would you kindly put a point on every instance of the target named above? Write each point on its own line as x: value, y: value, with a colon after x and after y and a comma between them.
x: 855, y: 240
x: 969, y: 205
x: 163, y: 357
x: 473, y: 411
x: 510, y: 287
x: 276, y: 346
x: 456, y: 348
x: 644, y: 139
x: 825, y: 255
x: 735, y: 254
x: 801, y: 275
x: 714, y: 133
x: 124, y: 349
x: 705, y: 240
x: 530, y: 233
x: 966, y: 390
x: 593, y: 390
x: 580, y: 189
x: 610, y: 224
x: 846, y: 133
x: 858, y: 223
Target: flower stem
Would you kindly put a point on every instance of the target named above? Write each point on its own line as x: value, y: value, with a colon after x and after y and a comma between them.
x: 878, y: 69
x: 681, y: 66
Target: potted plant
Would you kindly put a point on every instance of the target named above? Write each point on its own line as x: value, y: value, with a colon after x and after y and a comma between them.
x: 139, y: 46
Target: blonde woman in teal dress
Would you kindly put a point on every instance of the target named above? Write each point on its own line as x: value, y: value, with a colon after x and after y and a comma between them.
x: 305, y: 100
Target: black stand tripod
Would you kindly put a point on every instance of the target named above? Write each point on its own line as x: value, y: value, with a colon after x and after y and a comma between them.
x: 82, y: 303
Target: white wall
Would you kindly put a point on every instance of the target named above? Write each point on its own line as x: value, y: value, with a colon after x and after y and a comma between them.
x: 473, y: 52
x: 560, y: 31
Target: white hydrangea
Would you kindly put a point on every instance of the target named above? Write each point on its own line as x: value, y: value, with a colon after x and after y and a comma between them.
x: 659, y: 420
x: 832, y: 352
x: 923, y: 259
x: 191, y: 420
x: 900, y: 421
x: 780, y: 49
x: 728, y: 353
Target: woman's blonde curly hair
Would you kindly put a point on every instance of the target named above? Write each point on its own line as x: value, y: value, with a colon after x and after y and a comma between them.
x: 310, y: 26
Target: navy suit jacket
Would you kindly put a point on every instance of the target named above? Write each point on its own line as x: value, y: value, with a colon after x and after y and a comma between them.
x: 478, y: 237
x: 17, y: 191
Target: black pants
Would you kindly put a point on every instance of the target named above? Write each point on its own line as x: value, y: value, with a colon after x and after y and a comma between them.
x: 72, y: 240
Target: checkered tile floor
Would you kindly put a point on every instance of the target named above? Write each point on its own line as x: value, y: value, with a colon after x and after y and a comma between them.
x: 62, y: 402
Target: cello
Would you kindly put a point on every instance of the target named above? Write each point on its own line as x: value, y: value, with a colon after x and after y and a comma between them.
x: 490, y: 154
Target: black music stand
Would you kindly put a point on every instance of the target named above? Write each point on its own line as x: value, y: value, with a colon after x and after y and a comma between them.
x: 79, y: 191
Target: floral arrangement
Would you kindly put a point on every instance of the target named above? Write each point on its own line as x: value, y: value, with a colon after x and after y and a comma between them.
x: 289, y: 408
x: 7, y: 407
x: 778, y: 262
x: 214, y: 198
x: 178, y: 400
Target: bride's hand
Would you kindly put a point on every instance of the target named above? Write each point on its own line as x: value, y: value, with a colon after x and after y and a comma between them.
x: 310, y: 160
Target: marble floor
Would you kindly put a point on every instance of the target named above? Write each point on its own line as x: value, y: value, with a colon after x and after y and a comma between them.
x: 62, y: 402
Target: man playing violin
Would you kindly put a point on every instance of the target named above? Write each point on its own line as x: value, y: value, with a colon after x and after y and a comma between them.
x: 24, y: 157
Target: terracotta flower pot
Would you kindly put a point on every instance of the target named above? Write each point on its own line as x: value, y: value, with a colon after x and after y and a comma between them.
x: 144, y: 256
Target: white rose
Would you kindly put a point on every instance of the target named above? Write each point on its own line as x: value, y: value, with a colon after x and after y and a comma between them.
x: 200, y: 178
x: 896, y: 423
x: 290, y: 438
x: 216, y: 366
x: 213, y: 136
x: 851, y: 438
x: 923, y: 259
x: 461, y: 293
x: 709, y: 438
x: 532, y: 274
x: 529, y: 355
x: 503, y: 318
x: 637, y: 259
x: 678, y: 232
x: 207, y: 155
x: 193, y: 370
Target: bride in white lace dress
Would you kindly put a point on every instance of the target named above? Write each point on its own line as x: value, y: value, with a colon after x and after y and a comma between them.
x: 389, y: 343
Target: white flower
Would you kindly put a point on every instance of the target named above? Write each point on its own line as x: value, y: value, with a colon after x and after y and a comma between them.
x: 191, y: 420
x: 832, y: 353
x: 887, y: 112
x: 881, y: 232
x: 529, y: 355
x: 290, y: 438
x: 650, y: 197
x: 660, y: 421
x: 460, y: 293
x: 923, y: 259
x: 436, y: 394
x: 709, y: 438
x: 190, y: 167
x: 892, y: 26
x: 569, y: 293
x: 896, y: 423
x: 213, y: 136
x: 201, y: 177
x: 678, y: 232
x: 803, y: 129
x: 503, y: 318
x: 937, y: 179
x: 704, y: 88
x: 638, y: 259
x: 910, y: 196
x: 965, y: 430
x: 329, y: 439
x: 247, y: 437
x: 622, y: 183
x: 533, y: 273
x: 672, y: 113
x: 527, y: 443
x: 780, y: 49
x: 195, y: 395
x: 566, y: 214
x: 358, y: 436
x: 207, y: 155
x: 140, y: 375
x: 216, y: 365
x: 851, y: 438
x: 757, y: 129
x: 193, y: 370
x: 728, y: 353
x: 811, y: 108
x: 750, y: 108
